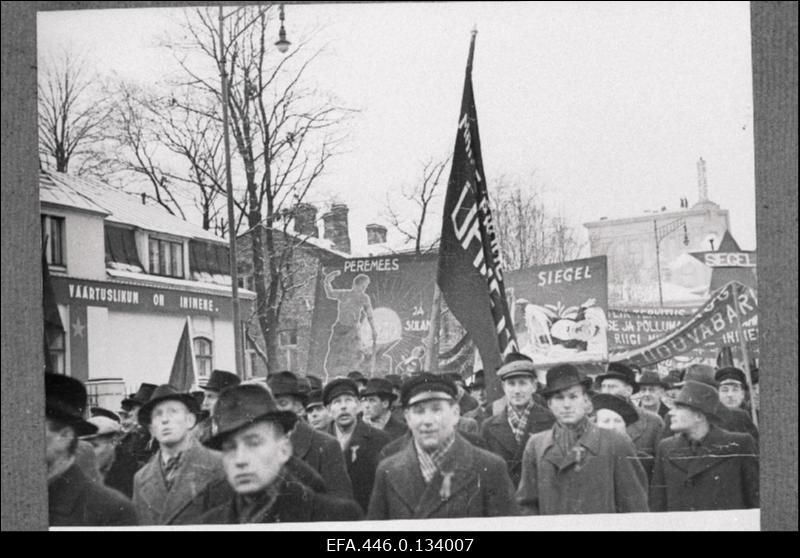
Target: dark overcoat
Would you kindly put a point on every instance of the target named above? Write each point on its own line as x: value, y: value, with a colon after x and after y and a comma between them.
x: 500, y: 438
x: 296, y: 503
x: 645, y: 433
x: 720, y: 474
x: 361, y: 458
x: 123, y: 469
x: 471, y: 483
x: 322, y: 453
x: 188, y: 498
x: 395, y: 428
x: 605, y: 478
x: 75, y: 501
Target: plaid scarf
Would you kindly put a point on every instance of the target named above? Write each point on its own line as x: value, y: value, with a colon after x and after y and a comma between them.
x: 429, y: 463
x: 170, y: 469
x: 519, y: 421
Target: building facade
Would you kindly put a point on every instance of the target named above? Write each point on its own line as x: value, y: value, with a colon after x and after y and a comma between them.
x: 127, y: 278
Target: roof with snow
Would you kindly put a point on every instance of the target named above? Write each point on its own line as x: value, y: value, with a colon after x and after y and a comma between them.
x: 119, y: 207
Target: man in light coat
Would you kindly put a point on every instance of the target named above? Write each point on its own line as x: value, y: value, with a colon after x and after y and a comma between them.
x: 576, y: 467
x: 438, y: 474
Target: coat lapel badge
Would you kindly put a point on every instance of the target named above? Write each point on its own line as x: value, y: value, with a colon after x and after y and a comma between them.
x: 353, y: 453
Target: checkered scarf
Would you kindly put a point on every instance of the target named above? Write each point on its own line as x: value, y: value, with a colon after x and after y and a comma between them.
x: 519, y: 421
x: 429, y: 463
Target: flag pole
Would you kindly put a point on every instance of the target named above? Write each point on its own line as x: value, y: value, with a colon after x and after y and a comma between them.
x: 745, y: 353
x: 432, y: 354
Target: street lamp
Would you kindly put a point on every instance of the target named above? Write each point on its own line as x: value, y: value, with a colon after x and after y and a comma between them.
x: 660, y: 233
x: 283, y: 45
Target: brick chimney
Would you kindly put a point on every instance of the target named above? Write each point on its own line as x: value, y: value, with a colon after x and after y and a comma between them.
x: 305, y: 220
x: 336, y: 228
x: 376, y: 234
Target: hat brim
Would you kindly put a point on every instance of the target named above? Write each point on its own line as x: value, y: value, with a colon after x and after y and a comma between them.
x: 712, y: 415
x: 388, y: 394
x: 79, y: 425
x: 547, y: 391
x: 615, y: 376
x: 287, y: 419
x: 144, y: 412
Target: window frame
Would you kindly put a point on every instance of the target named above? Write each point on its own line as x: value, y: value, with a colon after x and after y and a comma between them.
x: 154, y: 264
x: 198, y: 357
x: 47, y: 220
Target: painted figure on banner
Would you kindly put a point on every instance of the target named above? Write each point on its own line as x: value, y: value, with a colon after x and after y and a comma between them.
x: 344, y: 344
x: 558, y: 332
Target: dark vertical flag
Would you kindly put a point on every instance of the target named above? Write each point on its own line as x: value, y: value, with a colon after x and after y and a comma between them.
x: 469, y: 274
x: 182, y: 376
x: 53, y: 326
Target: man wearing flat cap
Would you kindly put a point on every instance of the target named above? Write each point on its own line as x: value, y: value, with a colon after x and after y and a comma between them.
x: 253, y: 435
x: 175, y: 487
x: 703, y: 467
x: 319, y: 450
x: 376, y: 400
x: 439, y: 474
x: 620, y: 380
x: 507, y: 432
x: 316, y: 411
x: 360, y: 443
x: 73, y: 499
x: 217, y: 381
x: 575, y: 467
x: 732, y: 387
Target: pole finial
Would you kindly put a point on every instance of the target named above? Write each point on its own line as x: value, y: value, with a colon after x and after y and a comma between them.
x: 473, y: 34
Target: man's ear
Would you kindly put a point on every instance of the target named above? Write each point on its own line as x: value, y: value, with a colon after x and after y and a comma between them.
x: 285, y: 449
x: 192, y: 420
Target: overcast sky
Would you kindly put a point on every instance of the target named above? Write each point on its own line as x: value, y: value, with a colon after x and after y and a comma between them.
x: 609, y: 105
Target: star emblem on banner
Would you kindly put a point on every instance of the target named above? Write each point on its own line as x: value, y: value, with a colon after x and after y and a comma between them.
x: 77, y: 328
x: 729, y: 263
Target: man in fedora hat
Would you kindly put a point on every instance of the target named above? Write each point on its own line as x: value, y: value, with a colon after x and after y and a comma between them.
x: 507, y: 432
x: 652, y: 391
x: 397, y: 409
x: 703, y: 467
x: 620, y: 380
x: 136, y: 444
x: 360, y: 443
x: 217, y: 381
x: 376, y: 400
x: 318, y: 449
x: 173, y: 487
x: 439, y: 474
x: 73, y: 499
x: 732, y: 420
x: 253, y: 436
x: 575, y: 466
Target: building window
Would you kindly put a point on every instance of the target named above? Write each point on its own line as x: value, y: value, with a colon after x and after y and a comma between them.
x: 166, y: 257
x: 203, y: 357
x: 53, y: 236
x: 57, y: 353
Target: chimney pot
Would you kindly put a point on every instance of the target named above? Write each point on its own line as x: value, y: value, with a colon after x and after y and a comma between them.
x: 336, y: 227
x: 305, y: 220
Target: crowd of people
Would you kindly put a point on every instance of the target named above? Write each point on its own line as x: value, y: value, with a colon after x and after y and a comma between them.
x: 421, y: 446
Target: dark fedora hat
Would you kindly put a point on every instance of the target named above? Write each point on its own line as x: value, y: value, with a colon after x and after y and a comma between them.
x: 731, y: 373
x: 674, y: 377
x: 478, y: 380
x: 337, y: 387
x: 700, y: 397
x: 564, y: 376
x: 357, y: 377
x: 65, y: 402
x: 314, y: 399
x: 619, y: 371
x: 702, y: 373
x: 427, y: 387
x: 287, y: 383
x: 516, y: 364
x: 617, y: 404
x: 243, y: 405
x: 221, y: 379
x: 102, y: 412
x: 651, y: 378
x: 395, y: 379
x: 163, y: 393
x: 380, y: 387
x: 141, y: 397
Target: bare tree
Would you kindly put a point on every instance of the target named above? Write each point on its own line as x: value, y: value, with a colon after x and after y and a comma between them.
x: 421, y: 196
x: 71, y: 117
x: 284, y: 134
x: 528, y: 233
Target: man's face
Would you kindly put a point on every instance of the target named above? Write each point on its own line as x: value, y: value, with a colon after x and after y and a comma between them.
x: 683, y: 418
x: 57, y: 441
x: 569, y: 405
x: 616, y: 387
x: 432, y: 422
x: 651, y: 395
x: 479, y: 394
x: 318, y: 417
x: 344, y: 409
x: 608, y: 419
x: 209, y: 400
x: 253, y: 457
x: 104, y: 449
x: 129, y: 419
x: 374, y: 407
x: 289, y: 403
x: 519, y: 390
x: 731, y: 394
x: 170, y: 422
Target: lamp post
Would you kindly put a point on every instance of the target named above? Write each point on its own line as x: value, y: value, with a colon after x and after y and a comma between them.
x: 283, y: 45
x: 660, y: 233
